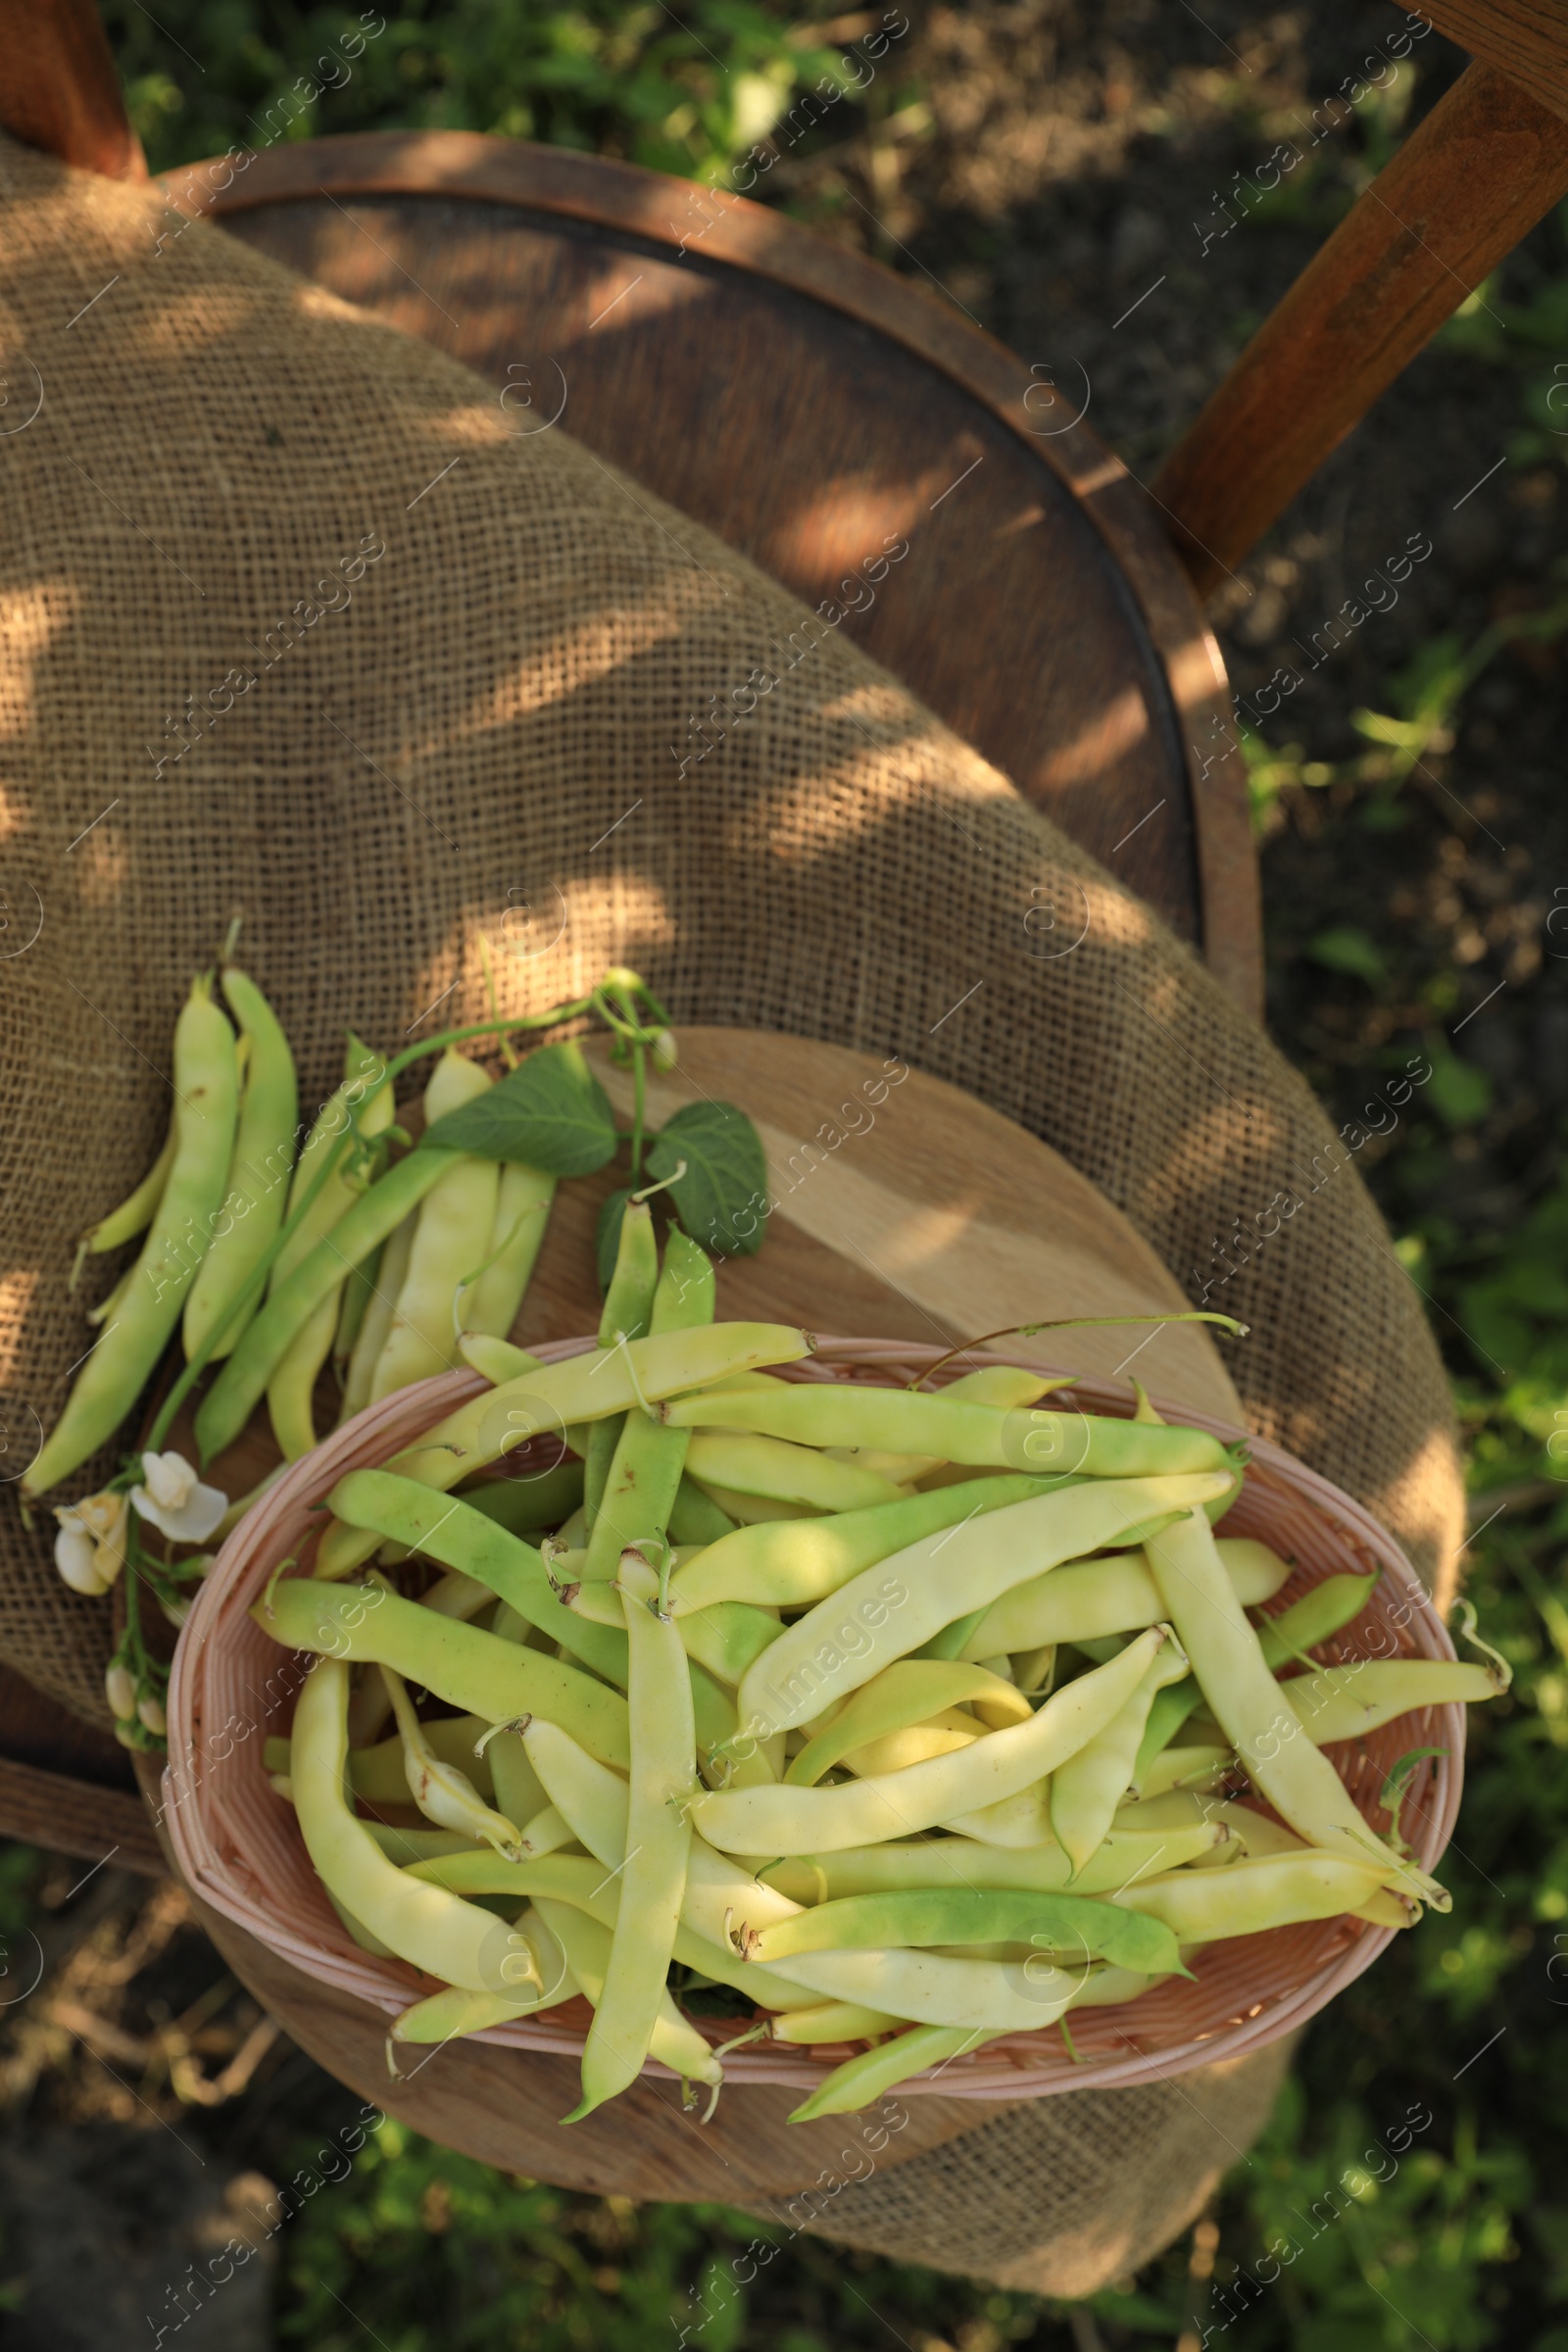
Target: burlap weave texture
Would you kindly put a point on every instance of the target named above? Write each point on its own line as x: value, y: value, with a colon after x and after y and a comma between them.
x: 298, y: 622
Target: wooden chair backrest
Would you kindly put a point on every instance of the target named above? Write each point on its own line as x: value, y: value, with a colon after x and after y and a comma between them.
x: 1487, y: 163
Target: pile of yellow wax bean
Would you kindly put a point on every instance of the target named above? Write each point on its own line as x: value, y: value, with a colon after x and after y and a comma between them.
x: 380, y: 1268
x: 905, y: 1716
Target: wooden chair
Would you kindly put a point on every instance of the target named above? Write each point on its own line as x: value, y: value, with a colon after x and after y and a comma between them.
x: 1047, y: 608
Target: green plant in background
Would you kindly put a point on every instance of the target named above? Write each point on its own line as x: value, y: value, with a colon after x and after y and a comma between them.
x: 689, y: 92
x: 1425, y: 696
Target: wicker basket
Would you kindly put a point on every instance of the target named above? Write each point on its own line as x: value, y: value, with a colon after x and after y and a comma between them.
x: 238, y: 1846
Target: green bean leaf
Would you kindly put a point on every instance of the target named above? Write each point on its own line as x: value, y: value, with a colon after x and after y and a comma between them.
x: 721, y: 1200
x: 551, y: 1114
x: 607, y: 1235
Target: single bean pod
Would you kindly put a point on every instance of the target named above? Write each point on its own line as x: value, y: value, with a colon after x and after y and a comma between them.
x: 257, y: 1178
x: 908, y: 1692
x: 492, y: 1302
x: 365, y: 1091
x: 834, y: 1414
x: 469, y: 1669
x: 584, y: 1388
x: 963, y: 1862
x: 1257, y: 1720
x: 627, y: 1309
x: 891, y: 1609
x: 424, y: 1925
x: 1272, y: 1890
x: 1099, y: 1597
x: 1343, y: 1702
x: 205, y: 1091
x: 1074, y: 1926
x: 793, y: 1821
x: 664, y: 1744
x: 1087, y: 1790
x: 460, y: 1206
x: 784, y: 1473
x: 448, y: 1529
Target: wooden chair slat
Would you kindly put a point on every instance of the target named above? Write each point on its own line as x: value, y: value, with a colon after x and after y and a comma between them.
x: 1526, y: 39
x: 1477, y: 174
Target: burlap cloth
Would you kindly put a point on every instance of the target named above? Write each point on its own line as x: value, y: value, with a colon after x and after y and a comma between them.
x: 297, y: 622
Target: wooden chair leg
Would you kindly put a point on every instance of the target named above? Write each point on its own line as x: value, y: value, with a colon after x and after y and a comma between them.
x: 59, y: 89
x: 1485, y: 165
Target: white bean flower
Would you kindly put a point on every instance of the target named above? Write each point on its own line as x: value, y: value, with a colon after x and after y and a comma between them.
x: 173, y: 1498
x: 90, y: 1546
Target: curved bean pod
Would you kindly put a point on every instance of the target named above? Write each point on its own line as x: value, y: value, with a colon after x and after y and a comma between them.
x: 1342, y: 1702
x: 664, y: 1741
x: 422, y: 1924
x: 458, y: 1663
x: 930, y: 1987
x: 258, y: 1179
x: 442, y: 1790
x: 135, y: 1212
x: 1247, y: 1703
x: 780, y: 1820
x: 872, y: 2074
x: 205, y: 1090
x: 894, y: 1607
x: 1266, y: 1891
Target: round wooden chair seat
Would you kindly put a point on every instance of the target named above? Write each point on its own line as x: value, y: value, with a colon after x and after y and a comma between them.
x: 845, y: 428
